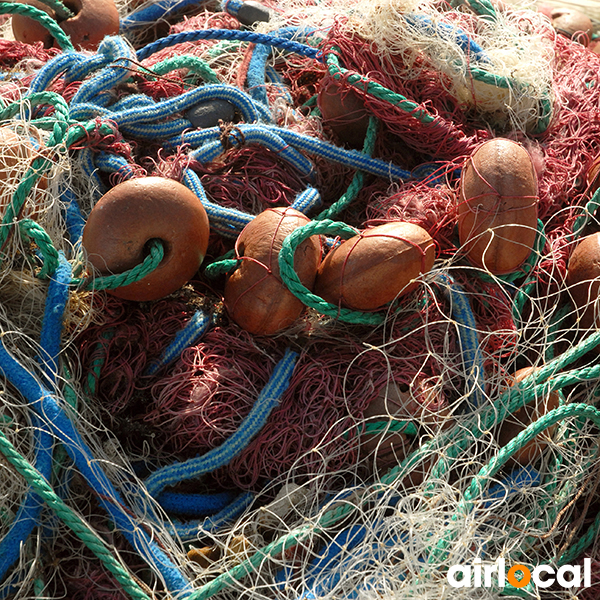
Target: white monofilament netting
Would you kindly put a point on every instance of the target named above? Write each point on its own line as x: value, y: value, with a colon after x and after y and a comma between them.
x: 389, y: 501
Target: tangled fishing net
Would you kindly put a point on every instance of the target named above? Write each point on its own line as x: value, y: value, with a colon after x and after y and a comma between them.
x: 156, y: 449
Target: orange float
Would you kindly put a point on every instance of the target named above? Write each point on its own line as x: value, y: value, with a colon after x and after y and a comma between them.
x: 133, y: 213
x: 93, y: 20
x: 498, y: 206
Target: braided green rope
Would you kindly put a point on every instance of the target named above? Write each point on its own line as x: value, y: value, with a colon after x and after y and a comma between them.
x: 70, y: 518
x: 582, y: 544
x: 502, y: 81
x: 222, y: 265
x: 375, y: 89
x: 589, y: 211
x: 483, y: 8
x: 292, y: 281
x: 38, y: 234
x: 41, y: 17
x: 359, y: 177
x: 529, y: 433
x: 62, y: 11
x: 395, y: 425
x: 98, y: 362
x: 61, y: 108
x: 38, y: 166
x: 251, y: 564
x: 187, y: 61
x: 112, y: 282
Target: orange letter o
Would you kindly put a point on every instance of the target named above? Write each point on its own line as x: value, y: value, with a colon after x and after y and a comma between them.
x: 510, y: 576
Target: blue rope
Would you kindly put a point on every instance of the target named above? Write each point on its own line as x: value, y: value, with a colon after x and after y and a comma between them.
x: 467, y: 335
x: 217, y: 457
x: 149, y: 15
x: 53, y: 68
x: 86, y: 160
x: 112, y: 163
x: 48, y: 408
x: 304, y: 143
x: 307, y: 200
x: 194, y: 505
x: 29, y: 511
x: 193, y: 529
x: 231, y: 6
x: 445, y: 31
x: 194, y: 329
x: 255, y: 134
x: 250, y: 110
x: 230, y: 35
x: 255, y: 78
x: 79, y: 71
x: 74, y: 220
x: 226, y: 221
x: 117, y: 56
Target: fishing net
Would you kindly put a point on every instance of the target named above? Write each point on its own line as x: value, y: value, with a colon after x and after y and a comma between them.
x: 155, y: 449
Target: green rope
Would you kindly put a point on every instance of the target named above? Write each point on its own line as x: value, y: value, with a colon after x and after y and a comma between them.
x: 582, y: 544
x: 100, y: 358
x: 38, y: 234
x: 529, y: 433
x: 359, y: 177
x: 187, y: 61
x: 41, y: 17
x: 292, y: 281
x: 483, y: 8
x: 62, y: 12
x: 250, y: 565
x: 38, y: 166
x: 137, y: 273
x: 589, y: 211
x: 79, y: 527
x: 375, y: 89
x: 392, y: 426
x: 222, y: 265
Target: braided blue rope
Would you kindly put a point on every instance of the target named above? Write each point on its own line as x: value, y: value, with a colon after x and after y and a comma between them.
x: 255, y: 134
x: 111, y: 163
x: 194, y: 505
x: 80, y: 71
x: 349, y: 158
x: 251, y: 111
x: 445, y: 31
x: 194, y: 329
x: 148, y: 117
x: 307, y: 200
x: 231, y: 35
x: 85, y: 157
x: 276, y: 80
x: 304, y: 143
x: 117, y: 56
x: 157, y: 131
x: 53, y: 68
x: 74, y: 220
x: 29, y: 511
x: 255, y: 78
x: 467, y: 335
x: 149, y: 15
x: 226, y: 221
x: 193, y: 529
x: 47, y: 407
x: 217, y: 457
x: 231, y: 6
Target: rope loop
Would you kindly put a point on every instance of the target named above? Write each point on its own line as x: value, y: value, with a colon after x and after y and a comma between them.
x: 137, y: 273
x: 292, y: 281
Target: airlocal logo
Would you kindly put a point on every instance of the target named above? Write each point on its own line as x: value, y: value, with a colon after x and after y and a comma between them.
x: 543, y: 576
